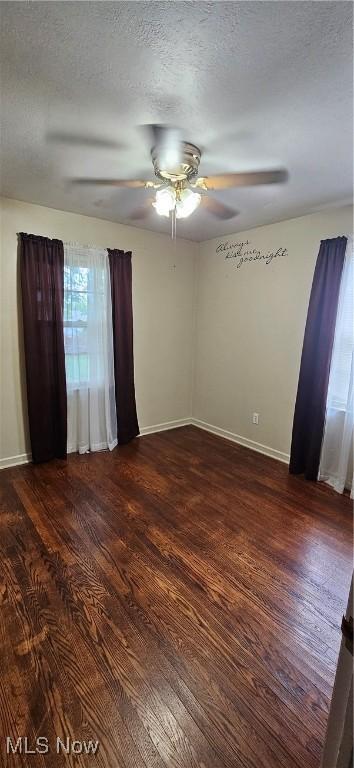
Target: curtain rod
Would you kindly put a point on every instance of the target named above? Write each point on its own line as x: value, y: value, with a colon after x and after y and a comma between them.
x: 74, y: 244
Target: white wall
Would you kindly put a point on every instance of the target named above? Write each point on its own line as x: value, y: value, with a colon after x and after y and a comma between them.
x: 163, y: 292
x: 250, y: 322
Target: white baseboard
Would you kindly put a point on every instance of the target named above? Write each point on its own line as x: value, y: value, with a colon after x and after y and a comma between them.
x: 265, y: 449
x: 165, y: 425
x: 24, y: 458
x: 14, y: 461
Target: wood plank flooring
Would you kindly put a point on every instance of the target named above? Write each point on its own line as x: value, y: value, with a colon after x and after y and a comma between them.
x: 179, y: 600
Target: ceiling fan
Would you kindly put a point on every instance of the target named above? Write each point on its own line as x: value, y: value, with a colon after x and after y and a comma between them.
x: 178, y: 188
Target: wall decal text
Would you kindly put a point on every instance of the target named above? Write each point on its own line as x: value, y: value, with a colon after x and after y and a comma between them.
x: 243, y: 252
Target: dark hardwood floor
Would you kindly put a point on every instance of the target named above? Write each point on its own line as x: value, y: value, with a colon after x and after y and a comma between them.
x: 179, y: 600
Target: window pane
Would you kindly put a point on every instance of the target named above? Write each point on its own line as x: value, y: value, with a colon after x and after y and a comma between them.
x: 76, y: 278
x: 76, y: 282
x: 77, y: 369
x: 75, y: 339
x: 85, y: 298
x: 75, y: 306
x: 343, y: 342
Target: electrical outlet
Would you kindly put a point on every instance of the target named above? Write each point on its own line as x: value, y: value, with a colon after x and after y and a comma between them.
x: 255, y: 418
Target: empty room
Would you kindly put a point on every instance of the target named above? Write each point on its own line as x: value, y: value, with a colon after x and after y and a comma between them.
x: 176, y: 384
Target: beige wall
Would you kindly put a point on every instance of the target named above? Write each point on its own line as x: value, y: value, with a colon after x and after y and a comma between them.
x: 163, y: 287
x: 250, y: 324
x: 227, y: 338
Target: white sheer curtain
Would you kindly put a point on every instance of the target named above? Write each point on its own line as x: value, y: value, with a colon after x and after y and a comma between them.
x: 336, y: 465
x: 88, y: 337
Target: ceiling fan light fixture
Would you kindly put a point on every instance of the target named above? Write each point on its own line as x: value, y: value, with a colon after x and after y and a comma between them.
x: 165, y: 201
x: 183, y: 201
x: 187, y: 203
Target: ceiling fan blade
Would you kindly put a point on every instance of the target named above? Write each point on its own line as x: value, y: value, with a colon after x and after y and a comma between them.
x: 75, y: 140
x: 130, y: 183
x: 218, y: 209
x: 143, y: 212
x: 250, y: 179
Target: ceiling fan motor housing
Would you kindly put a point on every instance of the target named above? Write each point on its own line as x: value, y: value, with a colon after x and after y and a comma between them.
x: 186, y: 169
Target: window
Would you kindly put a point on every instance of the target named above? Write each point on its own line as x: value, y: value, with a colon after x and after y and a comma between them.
x: 336, y: 466
x: 76, y: 280
x: 343, y: 342
x: 88, y: 342
x: 86, y: 285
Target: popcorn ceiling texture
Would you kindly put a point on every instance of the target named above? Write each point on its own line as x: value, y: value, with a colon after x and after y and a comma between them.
x: 254, y: 84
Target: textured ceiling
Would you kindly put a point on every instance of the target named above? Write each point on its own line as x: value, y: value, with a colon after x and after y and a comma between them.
x: 254, y: 84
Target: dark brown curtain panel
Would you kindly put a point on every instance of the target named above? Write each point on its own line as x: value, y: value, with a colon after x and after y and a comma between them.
x: 42, y: 287
x: 120, y: 264
x: 310, y: 408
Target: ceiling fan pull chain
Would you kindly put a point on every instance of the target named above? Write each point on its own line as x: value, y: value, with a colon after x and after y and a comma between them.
x: 173, y: 224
